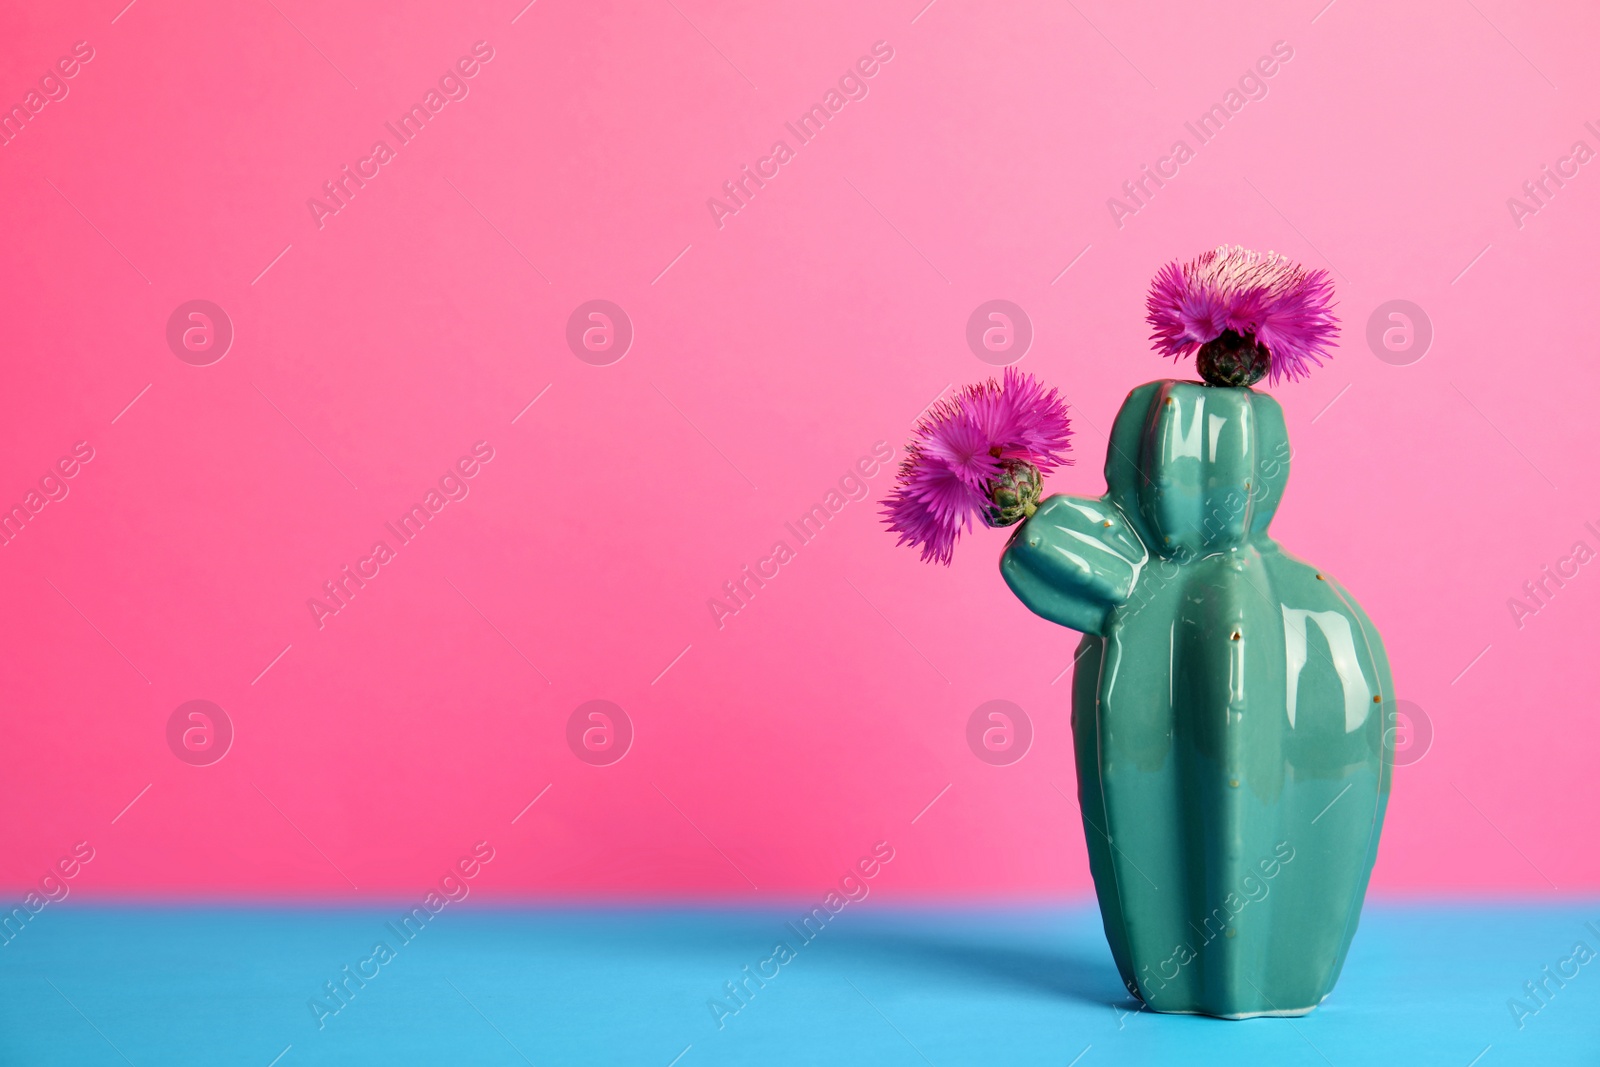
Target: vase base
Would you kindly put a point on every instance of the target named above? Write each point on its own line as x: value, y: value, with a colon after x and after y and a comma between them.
x: 1284, y: 1013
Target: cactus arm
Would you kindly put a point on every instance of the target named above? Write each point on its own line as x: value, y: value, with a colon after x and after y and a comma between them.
x: 1073, y: 561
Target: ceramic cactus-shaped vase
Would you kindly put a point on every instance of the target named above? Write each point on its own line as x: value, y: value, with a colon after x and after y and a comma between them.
x: 1228, y: 709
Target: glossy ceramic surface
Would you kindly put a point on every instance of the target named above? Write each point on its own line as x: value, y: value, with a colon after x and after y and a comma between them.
x: 1229, y: 709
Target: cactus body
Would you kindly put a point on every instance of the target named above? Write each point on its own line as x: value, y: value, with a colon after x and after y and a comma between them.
x: 1229, y: 707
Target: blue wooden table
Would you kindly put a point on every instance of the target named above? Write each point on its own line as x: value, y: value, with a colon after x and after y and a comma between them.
x: 1425, y: 984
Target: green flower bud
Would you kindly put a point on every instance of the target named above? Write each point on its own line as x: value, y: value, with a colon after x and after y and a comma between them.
x: 1014, y: 495
x: 1233, y: 359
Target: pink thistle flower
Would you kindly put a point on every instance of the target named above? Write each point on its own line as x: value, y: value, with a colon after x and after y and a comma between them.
x: 978, y: 454
x: 1247, y: 312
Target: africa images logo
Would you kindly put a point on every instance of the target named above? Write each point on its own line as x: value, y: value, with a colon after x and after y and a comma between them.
x: 852, y: 85
x: 452, y: 86
x: 1252, y: 85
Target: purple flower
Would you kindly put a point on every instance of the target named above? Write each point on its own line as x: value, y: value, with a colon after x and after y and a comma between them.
x: 1264, y: 298
x: 978, y: 453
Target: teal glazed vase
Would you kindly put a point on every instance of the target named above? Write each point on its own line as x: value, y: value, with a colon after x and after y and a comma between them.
x: 1229, y: 709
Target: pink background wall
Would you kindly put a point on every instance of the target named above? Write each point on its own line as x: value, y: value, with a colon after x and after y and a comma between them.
x: 371, y: 352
